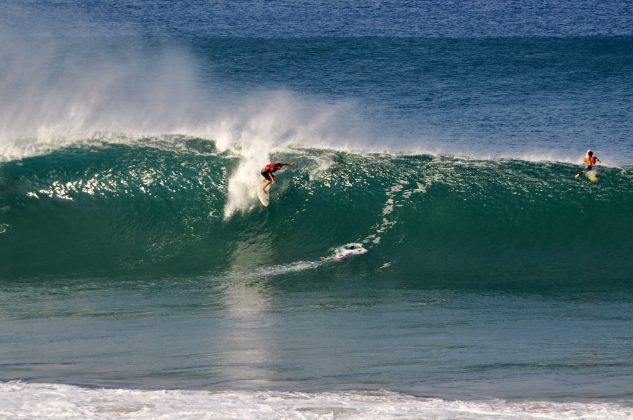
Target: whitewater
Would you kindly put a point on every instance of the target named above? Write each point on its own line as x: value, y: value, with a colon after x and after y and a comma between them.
x: 71, y: 402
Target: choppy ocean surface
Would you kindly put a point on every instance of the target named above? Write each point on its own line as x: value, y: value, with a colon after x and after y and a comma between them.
x: 140, y: 277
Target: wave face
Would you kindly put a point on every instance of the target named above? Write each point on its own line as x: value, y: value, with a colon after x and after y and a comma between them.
x: 426, y: 221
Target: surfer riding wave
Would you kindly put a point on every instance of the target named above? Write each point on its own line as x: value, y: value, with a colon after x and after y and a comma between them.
x: 269, y: 170
x: 590, y: 161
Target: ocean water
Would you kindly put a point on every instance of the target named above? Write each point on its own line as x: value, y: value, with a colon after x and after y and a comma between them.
x: 140, y: 277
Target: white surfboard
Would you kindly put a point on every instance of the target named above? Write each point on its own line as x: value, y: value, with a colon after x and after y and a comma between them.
x: 263, y: 196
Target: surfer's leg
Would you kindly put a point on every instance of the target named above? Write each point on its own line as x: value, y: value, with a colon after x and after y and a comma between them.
x: 584, y: 171
x: 266, y: 185
x: 267, y: 177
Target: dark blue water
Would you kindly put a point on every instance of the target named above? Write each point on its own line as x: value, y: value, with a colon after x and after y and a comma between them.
x: 443, y: 137
x: 331, y: 18
x: 543, y: 97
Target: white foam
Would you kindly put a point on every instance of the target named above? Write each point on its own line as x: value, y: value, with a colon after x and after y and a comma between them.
x: 395, y: 195
x: 323, y: 163
x: 22, y: 400
x: 269, y: 124
x: 348, y: 250
x: 276, y: 270
x: 61, y: 93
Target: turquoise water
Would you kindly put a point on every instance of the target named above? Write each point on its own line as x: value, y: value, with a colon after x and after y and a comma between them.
x: 135, y: 255
x: 121, y: 210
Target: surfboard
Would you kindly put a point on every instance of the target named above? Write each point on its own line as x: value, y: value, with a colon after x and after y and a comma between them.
x: 591, y: 176
x: 263, y: 196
